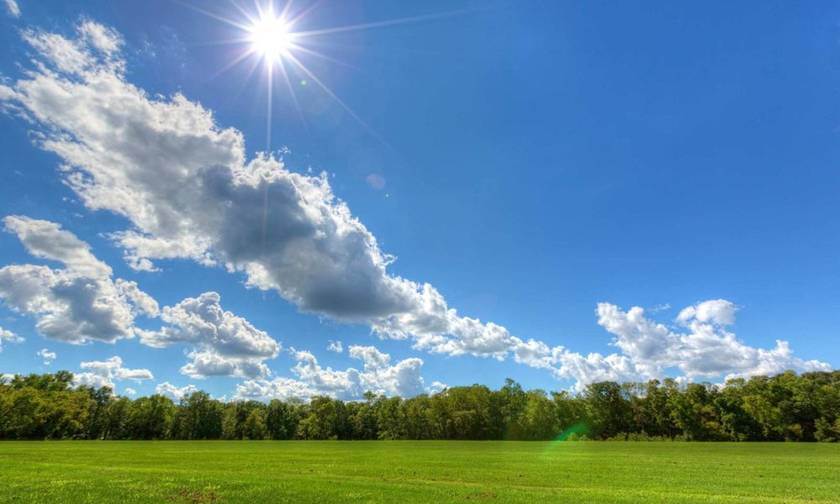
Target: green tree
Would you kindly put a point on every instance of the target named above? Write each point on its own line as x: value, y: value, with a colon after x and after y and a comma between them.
x: 281, y: 420
x: 607, y: 410
x: 199, y: 417
x: 539, y: 419
x: 255, y: 427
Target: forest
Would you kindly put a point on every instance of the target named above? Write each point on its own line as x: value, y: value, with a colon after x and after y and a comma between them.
x: 785, y: 407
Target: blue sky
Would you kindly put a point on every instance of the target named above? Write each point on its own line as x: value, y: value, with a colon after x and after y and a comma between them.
x: 527, y: 160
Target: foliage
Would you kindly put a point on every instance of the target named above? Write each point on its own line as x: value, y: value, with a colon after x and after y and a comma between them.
x: 786, y: 407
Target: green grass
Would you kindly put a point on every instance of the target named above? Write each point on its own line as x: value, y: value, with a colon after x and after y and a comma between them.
x: 436, y: 471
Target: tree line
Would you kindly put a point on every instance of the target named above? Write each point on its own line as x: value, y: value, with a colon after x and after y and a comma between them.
x: 785, y: 407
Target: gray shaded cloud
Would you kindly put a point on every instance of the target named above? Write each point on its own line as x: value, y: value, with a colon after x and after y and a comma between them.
x: 78, y: 303
x: 223, y: 344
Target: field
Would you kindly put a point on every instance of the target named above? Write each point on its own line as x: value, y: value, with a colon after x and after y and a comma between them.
x: 435, y: 471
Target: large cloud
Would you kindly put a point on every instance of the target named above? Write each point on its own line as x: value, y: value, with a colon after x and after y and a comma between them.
x: 187, y: 190
x: 378, y: 375
x: 78, y: 303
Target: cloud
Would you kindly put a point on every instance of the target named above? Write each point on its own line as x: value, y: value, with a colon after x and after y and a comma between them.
x: 104, y: 373
x: 649, y: 349
x: 12, y: 8
x: 378, y: 375
x: 130, y: 392
x: 100, y: 38
x: 95, y: 48
x: 143, y: 303
x: 7, y: 336
x: 173, y: 392
x: 46, y: 355
x: 719, y: 312
x: 335, y: 346
x: 437, y: 386
x: 78, y: 303
x: 708, y: 349
x: 376, y: 181
x: 281, y: 388
x: 224, y: 344
x: 46, y: 240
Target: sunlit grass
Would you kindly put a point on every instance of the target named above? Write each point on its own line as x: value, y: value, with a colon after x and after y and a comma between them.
x: 435, y: 471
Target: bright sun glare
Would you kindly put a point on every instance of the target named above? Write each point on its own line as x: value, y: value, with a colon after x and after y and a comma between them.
x: 275, y: 38
x: 270, y: 37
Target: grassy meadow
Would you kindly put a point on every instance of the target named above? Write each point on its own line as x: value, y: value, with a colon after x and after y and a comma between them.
x: 406, y: 471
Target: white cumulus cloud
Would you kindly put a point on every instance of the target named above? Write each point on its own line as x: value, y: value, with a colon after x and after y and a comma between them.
x: 46, y: 355
x: 706, y: 349
x: 78, y: 303
x: 105, y: 373
x: 378, y: 375
x: 223, y: 343
x: 174, y: 392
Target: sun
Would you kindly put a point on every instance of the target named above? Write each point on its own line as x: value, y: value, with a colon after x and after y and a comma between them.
x: 276, y: 40
x: 270, y: 37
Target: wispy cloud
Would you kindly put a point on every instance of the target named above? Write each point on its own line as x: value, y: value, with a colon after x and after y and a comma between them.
x: 12, y: 8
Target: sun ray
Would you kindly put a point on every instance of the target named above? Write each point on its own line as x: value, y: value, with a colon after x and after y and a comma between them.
x: 335, y: 97
x: 284, y: 13
x: 215, y: 16
x: 293, y: 94
x: 268, y: 116
x: 300, y: 15
x: 317, y: 54
x: 244, y: 12
x: 234, y: 62
x: 383, y: 24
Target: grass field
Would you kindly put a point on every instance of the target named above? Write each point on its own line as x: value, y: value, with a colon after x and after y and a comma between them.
x: 310, y: 471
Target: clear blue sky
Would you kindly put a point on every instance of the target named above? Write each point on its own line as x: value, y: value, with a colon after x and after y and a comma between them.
x: 527, y: 159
